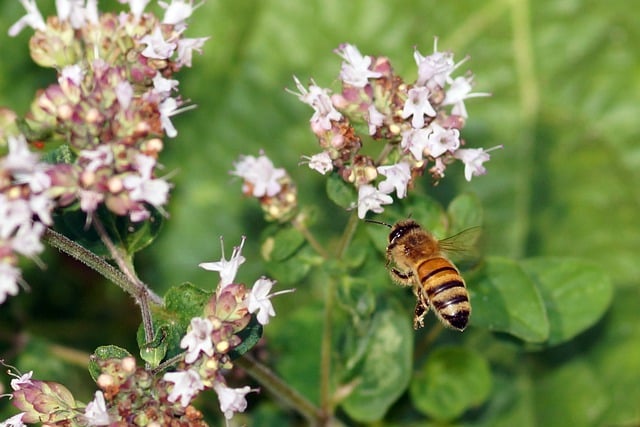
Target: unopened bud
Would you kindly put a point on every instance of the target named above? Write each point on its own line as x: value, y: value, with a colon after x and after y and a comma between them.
x: 104, y: 381
x: 222, y: 346
x: 129, y: 364
x: 115, y: 184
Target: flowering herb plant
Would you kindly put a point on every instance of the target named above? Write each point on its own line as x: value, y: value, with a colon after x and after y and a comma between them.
x: 82, y: 172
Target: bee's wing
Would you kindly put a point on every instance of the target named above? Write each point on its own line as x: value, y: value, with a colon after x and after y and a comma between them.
x: 462, y: 244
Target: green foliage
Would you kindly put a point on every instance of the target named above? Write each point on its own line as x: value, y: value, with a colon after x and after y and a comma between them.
x: 126, y: 235
x: 555, y: 304
x: 451, y: 381
x: 105, y: 352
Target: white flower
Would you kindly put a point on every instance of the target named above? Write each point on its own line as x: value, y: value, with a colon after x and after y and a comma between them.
x: 320, y: 162
x: 96, y: 411
x: 418, y: 105
x: 318, y: 98
x: 186, y: 47
x: 460, y: 90
x: 355, y: 70
x: 198, y: 339
x: 157, y: 47
x: 441, y: 140
x: 9, y: 276
x: 144, y: 188
x: 261, y: 178
x: 187, y: 384
x: 434, y: 70
x: 168, y: 107
x: 33, y: 19
x: 15, y: 421
x: 415, y: 141
x: 227, y: 269
x: 371, y: 199
x: 163, y: 86
x: 20, y: 159
x: 124, y: 94
x: 27, y: 239
x: 77, y: 14
x: 398, y: 177
x: 375, y: 119
x: 177, y: 11
x: 259, y: 299
x: 232, y: 400
x: 17, y: 382
x: 136, y: 6
x: 92, y: 160
x: 473, y: 158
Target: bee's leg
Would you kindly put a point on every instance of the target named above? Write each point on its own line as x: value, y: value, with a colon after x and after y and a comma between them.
x: 403, y: 278
x: 421, y: 310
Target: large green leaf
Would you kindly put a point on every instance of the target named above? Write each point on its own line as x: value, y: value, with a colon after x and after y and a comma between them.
x: 451, y: 381
x: 575, y: 293
x: 505, y: 299
x: 385, y: 369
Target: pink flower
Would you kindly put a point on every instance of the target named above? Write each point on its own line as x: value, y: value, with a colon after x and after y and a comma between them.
x: 418, y: 106
x: 260, y: 176
x: 96, y: 411
x: 473, y: 158
x: 318, y: 98
x: 232, y: 400
x: 355, y: 70
x: 187, y: 384
x: 198, y: 339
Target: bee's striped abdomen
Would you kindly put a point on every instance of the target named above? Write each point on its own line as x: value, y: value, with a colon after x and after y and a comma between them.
x: 445, y: 291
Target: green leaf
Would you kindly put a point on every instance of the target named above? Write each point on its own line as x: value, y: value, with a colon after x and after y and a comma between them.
x: 186, y: 301
x: 385, y: 370
x: 340, y: 192
x: 505, y: 299
x: 125, y: 234
x: 615, y: 357
x: 293, y: 269
x: 451, y: 381
x: 572, y: 392
x: 464, y: 211
x: 575, y: 293
x: 249, y: 336
x: 282, y: 244
x: 103, y: 353
x: 155, y: 351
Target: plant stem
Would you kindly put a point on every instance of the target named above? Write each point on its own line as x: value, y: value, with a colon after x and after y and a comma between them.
x: 141, y: 291
x: 88, y: 258
x: 299, y: 225
x: 325, y: 351
x: 282, y: 390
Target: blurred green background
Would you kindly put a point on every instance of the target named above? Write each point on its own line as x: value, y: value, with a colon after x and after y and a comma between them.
x: 565, y: 79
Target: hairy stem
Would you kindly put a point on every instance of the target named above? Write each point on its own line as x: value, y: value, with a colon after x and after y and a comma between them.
x: 88, y: 258
x: 141, y: 292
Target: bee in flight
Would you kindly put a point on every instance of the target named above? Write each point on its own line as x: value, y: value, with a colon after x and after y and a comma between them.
x: 416, y: 258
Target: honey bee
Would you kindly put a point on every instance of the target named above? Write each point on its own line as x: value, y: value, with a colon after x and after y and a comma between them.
x: 416, y: 258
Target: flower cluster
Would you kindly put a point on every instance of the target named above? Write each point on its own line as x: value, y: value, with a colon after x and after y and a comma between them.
x: 111, y: 105
x: 25, y: 210
x: 132, y: 394
x: 272, y: 186
x: 420, y: 122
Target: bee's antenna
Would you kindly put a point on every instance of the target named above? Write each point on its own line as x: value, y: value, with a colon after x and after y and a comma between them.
x: 377, y: 222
